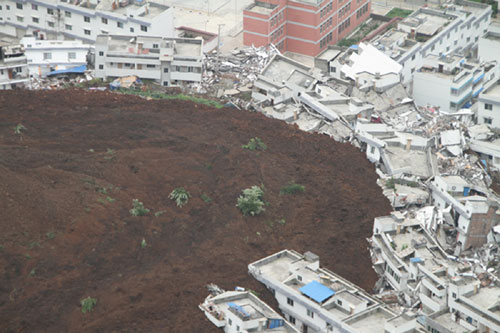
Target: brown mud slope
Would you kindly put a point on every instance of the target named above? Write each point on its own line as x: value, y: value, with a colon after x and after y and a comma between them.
x: 67, y: 184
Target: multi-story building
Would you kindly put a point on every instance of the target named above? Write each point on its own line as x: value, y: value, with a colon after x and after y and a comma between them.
x: 45, y: 56
x: 488, y: 110
x: 302, y: 26
x: 169, y: 61
x: 13, y: 67
x: 243, y: 312
x: 84, y: 20
x: 455, y: 28
x: 315, y: 299
x: 450, y: 83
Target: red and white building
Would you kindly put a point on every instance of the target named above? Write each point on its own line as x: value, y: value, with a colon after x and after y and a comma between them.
x: 302, y: 26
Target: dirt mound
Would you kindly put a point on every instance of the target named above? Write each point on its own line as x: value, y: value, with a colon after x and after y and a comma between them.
x: 67, y: 184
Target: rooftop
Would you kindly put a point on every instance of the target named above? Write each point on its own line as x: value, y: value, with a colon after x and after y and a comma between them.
x: 261, y: 8
x: 280, y: 69
x: 492, y: 92
x: 329, y: 54
x: 372, y: 321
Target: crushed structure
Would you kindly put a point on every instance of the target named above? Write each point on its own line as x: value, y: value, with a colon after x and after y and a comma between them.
x: 13, y: 67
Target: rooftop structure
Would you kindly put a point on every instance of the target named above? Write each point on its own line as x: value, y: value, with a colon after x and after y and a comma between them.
x: 170, y: 61
x: 45, y: 56
x: 450, y: 83
x: 85, y: 20
x: 242, y: 311
x: 13, y: 67
x: 301, y: 26
x: 454, y: 29
x: 314, y: 298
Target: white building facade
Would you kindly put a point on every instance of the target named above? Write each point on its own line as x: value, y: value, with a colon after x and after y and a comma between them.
x: 13, y: 67
x: 455, y: 28
x: 45, y: 56
x: 169, y: 61
x: 84, y: 20
x: 449, y: 83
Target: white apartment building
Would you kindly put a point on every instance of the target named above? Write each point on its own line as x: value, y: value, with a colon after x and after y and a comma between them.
x: 489, y: 46
x: 316, y: 300
x: 488, y: 111
x: 450, y: 83
x: 243, y: 312
x: 13, y: 67
x: 170, y: 61
x: 45, y: 56
x: 84, y: 19
x: 455, y: 28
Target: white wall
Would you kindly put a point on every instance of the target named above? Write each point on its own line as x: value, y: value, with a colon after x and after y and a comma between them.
x: 493, y: 114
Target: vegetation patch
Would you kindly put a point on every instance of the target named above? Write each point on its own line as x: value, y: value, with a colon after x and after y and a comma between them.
x: 180, y: 196
x: 399, y: 12
x: 292, y: 188
x: 251, y: 202
x: 88, y: 304
x: 255, y: 144
x: 138, y: 208
x: 182, y: 97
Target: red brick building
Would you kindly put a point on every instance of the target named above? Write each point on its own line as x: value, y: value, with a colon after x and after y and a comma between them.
x: 302, y: 26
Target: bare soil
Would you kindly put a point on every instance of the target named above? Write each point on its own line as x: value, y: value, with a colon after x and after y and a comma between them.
x: 67, y: 184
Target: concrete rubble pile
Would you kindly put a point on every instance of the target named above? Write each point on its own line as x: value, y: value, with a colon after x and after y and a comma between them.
x: 59, y: 81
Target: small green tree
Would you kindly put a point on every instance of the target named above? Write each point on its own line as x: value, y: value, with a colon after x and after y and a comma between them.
x: 18, y: 128
x: 180, y: 196
x: 292, y: 188
x: 251, y: 202
x: 88, y: 304
x: 138, y: 208
x: 255, y: 144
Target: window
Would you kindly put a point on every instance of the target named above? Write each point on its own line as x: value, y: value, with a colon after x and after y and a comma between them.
x: 104, y: 20
x: 119, y: 25
x: 51, y: 24
x: 131, y: 29
x: 339, y: 302
x: 413, y: 57
x: 101, y: 53
x: 310, y: 313
x: 165, y: 70
x: 50, y: 11
x: 19, y: 18
x: 68, y: 27
x: 150, y: 66
x: 289, y: 301
x: 237, y: 328
x: 47, y: 56
x: 86, y: 19
x: 86, y: 31
x: 34, y: 7
x: 71, y: 55
x: 101, y: 66
x: 7, y: 7
x: 19, y: 5
x: 144, y: 28
x: 155, y: 46
x: 291, y: 319
x: 230, y: 321
x: 67, y: 14
x: 35, y: 19
x: 165, y: 83
x: 487, y: 121
x: 488, y: 106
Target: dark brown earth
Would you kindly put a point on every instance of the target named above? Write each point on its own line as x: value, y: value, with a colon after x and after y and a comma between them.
x: 61, y: 239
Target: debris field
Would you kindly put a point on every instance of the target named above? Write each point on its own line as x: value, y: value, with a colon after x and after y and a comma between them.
x: 68, y: 179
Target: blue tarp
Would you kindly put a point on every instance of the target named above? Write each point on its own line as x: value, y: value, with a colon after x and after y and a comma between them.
x: 415, y: 260
x: 317, y: 291
x: 73, y: 70
x: 238, y: 309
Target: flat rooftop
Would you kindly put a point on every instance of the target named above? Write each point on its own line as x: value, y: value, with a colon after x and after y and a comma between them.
x: 492, y: 92
x: 451, y: 325
x: 413, y: 161
x: 188, y: 48
x: 261, y: 8
x: 280, y: 69
x: 373, y: 321
x: 329, y: 54
x: 154, y: 9
x: 487, y: 298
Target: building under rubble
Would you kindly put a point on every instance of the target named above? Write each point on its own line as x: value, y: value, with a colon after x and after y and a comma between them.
x: 169, y: 61
x: 13, y: 67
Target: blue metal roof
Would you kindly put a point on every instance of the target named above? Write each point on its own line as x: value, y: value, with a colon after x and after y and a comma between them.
x: 73, y: 70
x: 317, y: 291
x: 239, y: 309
